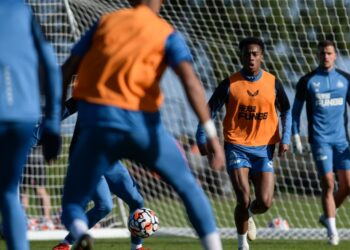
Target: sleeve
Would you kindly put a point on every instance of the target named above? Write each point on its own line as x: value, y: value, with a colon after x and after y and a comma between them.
x: 83, y: 45
x: 348, y: 90
x: 219, y: 97
x: 301, y: 89
x: 176, y: 50
x: 216, y: 101
x: 300, y: 97
x: 52, y: 83
x: 282, y: 103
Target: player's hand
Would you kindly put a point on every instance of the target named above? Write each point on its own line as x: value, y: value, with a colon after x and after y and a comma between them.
x: 216, y: 154
x: 297, y: 146
x: 282, y: 148
x: 51, y: 144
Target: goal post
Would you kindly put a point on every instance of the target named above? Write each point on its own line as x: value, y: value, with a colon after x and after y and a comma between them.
x: 290, y: 29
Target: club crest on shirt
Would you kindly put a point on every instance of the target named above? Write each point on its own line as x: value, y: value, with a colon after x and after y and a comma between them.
x: 253, y: 94
x: 316, y: 84
x: 340, y: 85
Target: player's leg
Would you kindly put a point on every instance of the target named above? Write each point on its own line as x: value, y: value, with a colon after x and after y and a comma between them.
x: 341, y: 160
x: 323, y: 157
x: 103, y: 205
x: 123, y: 186
x: 240, y: 183
x: 155, y: 148
x: 45, y: 202
x: 262, y: 175
x: 264, y: 182
x: 88, y: 162
x: 264, y: 189
x: 238, y: 167
x: 342, y: 169
x: 40, y: 189
x: 329, y: 207
x: 26, y: 180
x: 343, y: 190
x: 340, y: 195
x: 328, y: 204
x: 327, y: 186
x: 15, y: 140
x: 29, y: 176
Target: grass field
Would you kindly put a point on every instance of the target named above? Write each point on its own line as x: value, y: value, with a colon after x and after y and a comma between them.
x: 301, y: 212
x: 182, y: 243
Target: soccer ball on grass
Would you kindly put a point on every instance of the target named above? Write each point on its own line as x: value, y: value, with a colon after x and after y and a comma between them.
x: 279, y: 223
x: 143, y: 222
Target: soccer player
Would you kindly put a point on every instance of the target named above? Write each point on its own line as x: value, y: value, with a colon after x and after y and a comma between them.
x: 117, y: 180
x: 252, y: 98
x: 119, y: 64
x: 326, y: 92
x: 22, y: 50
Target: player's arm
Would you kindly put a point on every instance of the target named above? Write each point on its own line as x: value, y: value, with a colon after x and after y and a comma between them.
x: 179, y: 58
x: 300, y: 97
x: 196, y: 97
x: 51, y: 82
x: 71, y: 65
x: 282, y: 103
x: 347, y: 76
x: 70, y: 107
x: 216, y: 101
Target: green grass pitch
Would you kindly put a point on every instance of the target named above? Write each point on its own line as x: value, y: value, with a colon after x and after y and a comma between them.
x: 182, y: 243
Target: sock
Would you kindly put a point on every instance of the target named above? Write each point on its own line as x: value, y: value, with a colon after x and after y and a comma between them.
x: 78, y: 228
x: 212, y: 241
x: 135, y: 246
x: 242, y: 240
x: 332, y: 229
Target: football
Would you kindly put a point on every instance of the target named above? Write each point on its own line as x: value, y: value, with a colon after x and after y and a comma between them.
x: 279, y: 223
x: 143, y: 223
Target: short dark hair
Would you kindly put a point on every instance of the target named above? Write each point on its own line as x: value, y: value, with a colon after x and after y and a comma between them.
x: 326, y: 43
x: 134, y: 2
x: 251, y: 40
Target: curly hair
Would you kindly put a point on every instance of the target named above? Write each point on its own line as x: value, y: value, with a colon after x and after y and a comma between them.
x: 251, y: 40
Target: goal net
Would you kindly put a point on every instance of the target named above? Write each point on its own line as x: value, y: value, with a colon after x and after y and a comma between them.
x: 290, y: 29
